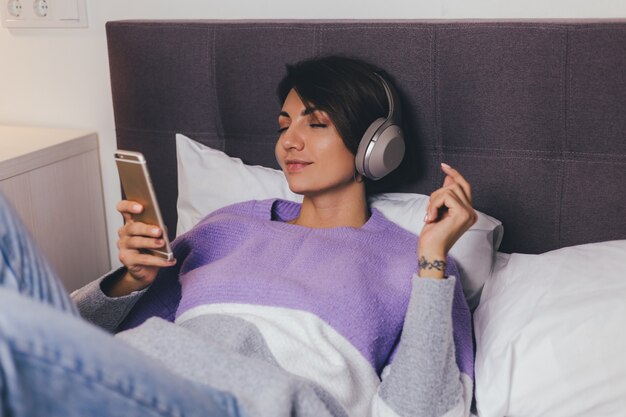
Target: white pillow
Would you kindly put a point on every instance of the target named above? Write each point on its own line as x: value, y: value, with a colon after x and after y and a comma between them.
x: 550, y: 337
x: 209, y: 179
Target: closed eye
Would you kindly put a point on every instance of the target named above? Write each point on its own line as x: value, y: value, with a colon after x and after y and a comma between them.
x: 318, y: 125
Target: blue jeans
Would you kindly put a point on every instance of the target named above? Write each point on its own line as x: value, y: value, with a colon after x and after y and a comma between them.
x: 53, y: 363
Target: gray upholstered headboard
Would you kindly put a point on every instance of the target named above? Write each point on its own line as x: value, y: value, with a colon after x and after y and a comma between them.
x: 532, y: 113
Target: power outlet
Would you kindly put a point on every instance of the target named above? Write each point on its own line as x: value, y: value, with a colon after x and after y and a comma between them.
x: 40, y: 8
x: 43, y: 13
x: 14, y: 9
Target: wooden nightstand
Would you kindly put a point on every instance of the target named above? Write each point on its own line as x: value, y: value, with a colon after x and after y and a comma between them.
x: 52, y: 178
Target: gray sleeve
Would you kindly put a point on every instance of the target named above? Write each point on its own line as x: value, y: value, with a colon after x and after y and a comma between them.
x: 424, y: 379
x: 101, y: 310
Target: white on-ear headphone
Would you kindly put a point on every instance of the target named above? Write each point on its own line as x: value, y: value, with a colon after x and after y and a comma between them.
x: 382, y: 147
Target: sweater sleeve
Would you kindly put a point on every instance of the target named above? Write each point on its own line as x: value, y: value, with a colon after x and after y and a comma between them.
x: 101, y: 310
x: 424, y: 378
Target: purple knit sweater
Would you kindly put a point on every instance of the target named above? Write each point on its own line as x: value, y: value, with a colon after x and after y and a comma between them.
x: 331, y: 294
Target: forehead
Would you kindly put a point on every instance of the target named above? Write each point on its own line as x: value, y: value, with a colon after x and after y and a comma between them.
x: 294, y: 106
x: 293, y: 101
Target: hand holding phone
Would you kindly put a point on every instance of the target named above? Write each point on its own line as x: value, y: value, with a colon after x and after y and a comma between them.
x: 137, y: 186
x: 143, y: 242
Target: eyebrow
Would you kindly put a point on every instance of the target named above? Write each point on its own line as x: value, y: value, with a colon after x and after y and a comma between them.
x: 309, y: 110
x: 305, y: 112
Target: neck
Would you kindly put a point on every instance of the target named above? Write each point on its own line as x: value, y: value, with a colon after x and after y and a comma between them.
x: 347, y: 208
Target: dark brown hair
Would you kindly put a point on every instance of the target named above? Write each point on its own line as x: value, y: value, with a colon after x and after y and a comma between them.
x: 345, y: 88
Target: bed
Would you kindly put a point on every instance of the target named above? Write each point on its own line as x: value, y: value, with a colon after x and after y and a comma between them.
x: 533, y: 113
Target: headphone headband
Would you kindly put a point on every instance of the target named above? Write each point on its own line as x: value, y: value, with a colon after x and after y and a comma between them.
x: 392, y: 99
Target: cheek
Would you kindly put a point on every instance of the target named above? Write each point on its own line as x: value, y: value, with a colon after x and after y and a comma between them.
x: 347, y: 164
x: 344, y: 160
x: 338, y: 159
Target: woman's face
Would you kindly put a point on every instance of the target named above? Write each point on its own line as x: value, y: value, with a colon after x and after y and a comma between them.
x: 310, y: 151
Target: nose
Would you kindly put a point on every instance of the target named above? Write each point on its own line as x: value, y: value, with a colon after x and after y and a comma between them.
x: 292, y: 139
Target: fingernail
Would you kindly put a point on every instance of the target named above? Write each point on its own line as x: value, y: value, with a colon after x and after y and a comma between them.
x: 426, y: 218
x: 155, y: 231
x: 136, y: 207
x: 443, y: 164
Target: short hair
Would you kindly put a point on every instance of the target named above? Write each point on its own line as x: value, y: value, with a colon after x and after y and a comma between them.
x: 346, y: 88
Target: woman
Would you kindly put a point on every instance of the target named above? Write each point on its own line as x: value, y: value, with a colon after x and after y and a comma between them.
x: 297, y: 310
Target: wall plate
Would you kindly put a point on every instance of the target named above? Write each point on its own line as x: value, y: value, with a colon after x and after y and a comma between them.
x: 43, y: 13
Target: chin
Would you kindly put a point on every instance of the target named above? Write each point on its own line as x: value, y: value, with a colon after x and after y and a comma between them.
x: 296, y: 185
x: 313, y: 186
x: 299, y: 189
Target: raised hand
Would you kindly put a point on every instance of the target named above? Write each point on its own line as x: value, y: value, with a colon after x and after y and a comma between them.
x: 448, y: 216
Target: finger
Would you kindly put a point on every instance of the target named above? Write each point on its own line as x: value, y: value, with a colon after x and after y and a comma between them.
x: 447, y: 181
x: 133, y: 260
x: 127, y: 217
x: 129, y: 207
x: 141, y: 229
x: 459, y: 218
x: 458, y: 178
x: 459, y: 191
x: 140, y: 242
x: 448, y: 199
x: 146, y: 259
x: 441, y: 200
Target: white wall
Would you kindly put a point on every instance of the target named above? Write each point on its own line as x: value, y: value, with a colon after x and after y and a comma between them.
x: 60, y: 78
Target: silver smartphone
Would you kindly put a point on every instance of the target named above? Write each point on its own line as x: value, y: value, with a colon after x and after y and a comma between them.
x: 137, y: 186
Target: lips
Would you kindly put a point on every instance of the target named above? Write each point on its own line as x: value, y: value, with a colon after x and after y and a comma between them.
x: 296, y: 165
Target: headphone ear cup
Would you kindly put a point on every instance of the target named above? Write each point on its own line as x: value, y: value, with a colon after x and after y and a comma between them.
x: 369, y: 134
x: 386, y: 154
